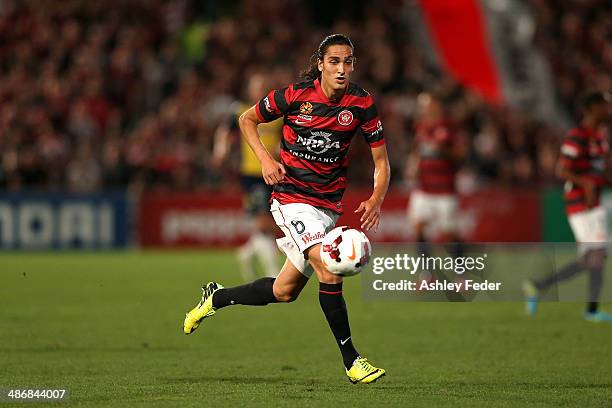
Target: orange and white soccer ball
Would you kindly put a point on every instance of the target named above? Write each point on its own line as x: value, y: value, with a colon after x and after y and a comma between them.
x: 345, y: 251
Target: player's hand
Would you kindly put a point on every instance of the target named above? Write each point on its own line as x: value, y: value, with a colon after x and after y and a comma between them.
x: 590, y: 192
x: 371, y: 213
x: 273, y: 172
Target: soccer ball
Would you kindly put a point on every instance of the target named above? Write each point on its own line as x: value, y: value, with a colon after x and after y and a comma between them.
x: 345, y: 251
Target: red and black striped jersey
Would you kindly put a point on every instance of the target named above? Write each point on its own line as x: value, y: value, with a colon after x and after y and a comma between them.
x: 316, y: 137
x: 583, y: 152
x: 437, y: 170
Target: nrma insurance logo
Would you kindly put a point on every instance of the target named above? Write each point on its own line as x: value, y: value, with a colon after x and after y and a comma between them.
x: 319, y: 142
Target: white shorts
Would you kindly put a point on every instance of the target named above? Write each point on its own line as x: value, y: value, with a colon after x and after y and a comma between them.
x: 590, y: 228
x: 439, y: 211
x: 303, y: 226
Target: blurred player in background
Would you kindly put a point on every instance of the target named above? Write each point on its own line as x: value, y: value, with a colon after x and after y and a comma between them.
x: 256, y: 193
x: 321, y: 116
x: 584, y: 155
x: 433, y: 163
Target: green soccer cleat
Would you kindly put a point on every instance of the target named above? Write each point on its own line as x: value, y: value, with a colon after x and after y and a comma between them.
x: 363, y: 372
x: 203, y: 309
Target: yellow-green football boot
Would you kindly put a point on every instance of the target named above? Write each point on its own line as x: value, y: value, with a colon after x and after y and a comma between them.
x: 203, y: 309
x: 363, y: 372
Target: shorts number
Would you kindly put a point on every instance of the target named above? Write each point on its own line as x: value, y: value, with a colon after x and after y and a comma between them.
x: 299, y: 226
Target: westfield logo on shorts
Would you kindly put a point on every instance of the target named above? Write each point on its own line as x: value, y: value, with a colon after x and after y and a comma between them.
x: 311, y: 237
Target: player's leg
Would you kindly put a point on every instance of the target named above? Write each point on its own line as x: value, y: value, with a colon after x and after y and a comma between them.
x: 594, y: 263
x: 334, y: 307
x: 442, y: 213
x: 246, y: 258
x: 423, y: 246
x: 586, y: 232
x: 285, y: 288
x: 532, y: 288
x: 419, y: 214
x: 246, y: 252
x: 265, y: 227
x: 565, y: 272
x: 289, y: 283
x: 447, y: 210
x: 589, y: 228
x: 293, y: 277
x: 261, y: 242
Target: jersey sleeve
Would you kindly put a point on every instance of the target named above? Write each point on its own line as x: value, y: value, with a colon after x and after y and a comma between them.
x: 273, y: 106
x: 371, y: 126
x: 571, y: 149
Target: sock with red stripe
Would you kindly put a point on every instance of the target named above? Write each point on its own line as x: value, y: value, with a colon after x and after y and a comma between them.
x: 334, y: 308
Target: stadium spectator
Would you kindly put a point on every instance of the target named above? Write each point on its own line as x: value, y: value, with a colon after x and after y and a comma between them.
x: 145, y: 83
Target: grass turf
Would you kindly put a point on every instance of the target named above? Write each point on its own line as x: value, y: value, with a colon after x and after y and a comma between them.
x: 108, y: 328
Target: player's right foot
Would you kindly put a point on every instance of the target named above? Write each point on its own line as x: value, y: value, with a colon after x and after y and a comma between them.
x: 598, y: 317
x: 363, y: 372
x: 203, y: 309
x: 531, y: 297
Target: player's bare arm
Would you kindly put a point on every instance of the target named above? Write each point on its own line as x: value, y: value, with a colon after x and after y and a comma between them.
x: 382, y: 174
x: 273, y: 172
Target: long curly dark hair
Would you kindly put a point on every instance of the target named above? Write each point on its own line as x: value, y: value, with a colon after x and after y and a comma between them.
x: 312, y: 72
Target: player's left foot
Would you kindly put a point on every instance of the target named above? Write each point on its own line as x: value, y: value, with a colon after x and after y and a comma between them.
x: 598, y: 317
x: 363, y: 372
x: 531, y: 297
x: 203, y: 309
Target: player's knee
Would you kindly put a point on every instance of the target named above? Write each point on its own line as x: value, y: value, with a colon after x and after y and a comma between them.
x: 314, y: 253
x: 285, y: 295
x: 595, y: 258
x: 324, y: 276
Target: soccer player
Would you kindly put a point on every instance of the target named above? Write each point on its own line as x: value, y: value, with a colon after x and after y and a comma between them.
x: 256, y: 193
x: 433, y: 162
x: 582, y: 165
x: 321, y: 115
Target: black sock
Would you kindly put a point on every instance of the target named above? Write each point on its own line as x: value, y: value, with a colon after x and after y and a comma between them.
x: 595, y: 285
x: 257, y: 293
x: 592, y: 307
x: 334, y: 308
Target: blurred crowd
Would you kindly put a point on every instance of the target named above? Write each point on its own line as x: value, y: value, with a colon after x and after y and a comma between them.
x: 129, y: 93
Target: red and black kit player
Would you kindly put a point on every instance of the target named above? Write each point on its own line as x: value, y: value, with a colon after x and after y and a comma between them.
x: 433, y: 162
x: 321, y: 115
x: 582, y: 164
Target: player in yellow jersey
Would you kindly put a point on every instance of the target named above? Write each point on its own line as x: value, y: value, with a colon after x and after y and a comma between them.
x: 256, y: 193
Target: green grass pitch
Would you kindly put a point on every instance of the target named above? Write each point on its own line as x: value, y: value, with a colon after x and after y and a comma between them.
x: 108, y: 328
